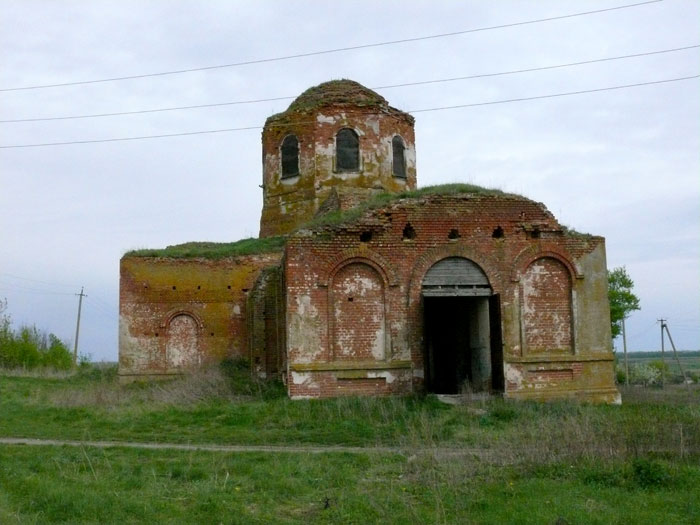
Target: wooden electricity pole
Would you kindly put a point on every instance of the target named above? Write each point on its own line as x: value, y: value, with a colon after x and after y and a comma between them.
x: 624, y: 346
x: 663, y: 356
x: 675, y: 354
x: 77, y: 327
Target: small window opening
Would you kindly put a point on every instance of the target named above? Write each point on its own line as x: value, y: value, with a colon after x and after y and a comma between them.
x: 156, y: 334
x: 211, y: 334
x: 366, y: 236
x: 290, y: 156
x: 347, y: 150
x: 257, y: 359
x: 535, y: 233
x: 409, y: 232
x: 174, y: 287
x: 398, y: 165
x: 497, y: 233
x: 454, y: 234
x: 351, y: 299
x: 199, y: 287
x: 229, y: 287
x: 245, y: 290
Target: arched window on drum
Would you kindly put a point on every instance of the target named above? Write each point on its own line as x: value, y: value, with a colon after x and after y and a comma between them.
x: 347, y: 150
x: 290, y: 156
x: 398, y: 163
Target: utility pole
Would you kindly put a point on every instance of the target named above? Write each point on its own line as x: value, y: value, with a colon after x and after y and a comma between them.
x: 675, y: 354
x: 77, y: 327
x: 624, y: 346
x: 663, y: 360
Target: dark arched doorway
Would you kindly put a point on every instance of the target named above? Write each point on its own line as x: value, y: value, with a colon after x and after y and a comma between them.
x: 462, y: 329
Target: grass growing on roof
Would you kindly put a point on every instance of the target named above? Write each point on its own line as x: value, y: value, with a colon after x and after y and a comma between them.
x: 214, y: 250
x: 383, y: 199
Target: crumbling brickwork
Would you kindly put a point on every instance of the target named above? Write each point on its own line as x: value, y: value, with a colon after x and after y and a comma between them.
x: 314, y: 119
x: 179, y: 314
x: 547, y: 284
x: 266, y: 329
x: 449, y: 290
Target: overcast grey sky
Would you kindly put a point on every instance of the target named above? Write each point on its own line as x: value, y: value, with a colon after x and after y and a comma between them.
x: 624, y: 163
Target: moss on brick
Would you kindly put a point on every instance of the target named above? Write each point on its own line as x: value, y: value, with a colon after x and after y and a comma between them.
x: 570, y: 232
x: 383, y: 199
x: 214, y: 250
x: 342, y: 92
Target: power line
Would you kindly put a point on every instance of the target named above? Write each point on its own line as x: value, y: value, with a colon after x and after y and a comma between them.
x: 335, y: 50
x: 24, y: 289
x: 390, y: 86
x: 442, y: 108
x: 611, y: 88
x: 36, y: 280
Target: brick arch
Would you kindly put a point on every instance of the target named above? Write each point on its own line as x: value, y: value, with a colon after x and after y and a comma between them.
x: 180, y: 311
x: 369, y: 257
x: 547, y: 315
x: 357, y: 315
x: 183, y: 341
x: 414, y: 306
x: 429, y: 258
x: 526, y: 257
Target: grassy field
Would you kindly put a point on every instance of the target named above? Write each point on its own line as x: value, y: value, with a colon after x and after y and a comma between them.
x: 481, y: 462
x: 690, y: 361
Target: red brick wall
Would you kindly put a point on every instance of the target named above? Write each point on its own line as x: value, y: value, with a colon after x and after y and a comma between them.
x: 154, y: 294
x: 288, y: 203
x: 358, y: 313
x: 546, y: 306
x: 312, y: 259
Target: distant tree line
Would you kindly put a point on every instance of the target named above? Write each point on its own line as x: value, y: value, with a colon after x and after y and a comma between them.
x: 28, y: 347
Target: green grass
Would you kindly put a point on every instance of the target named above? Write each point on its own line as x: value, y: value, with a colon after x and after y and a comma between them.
x: 515, y: 462
x: 383, y: 199
x: 214, y: 250
x: 218, y: 408
x: 689, y: 360
x: 341, y: 91
x: 87, y: 485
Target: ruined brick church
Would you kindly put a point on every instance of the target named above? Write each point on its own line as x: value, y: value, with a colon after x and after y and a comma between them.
x: 361, y: 284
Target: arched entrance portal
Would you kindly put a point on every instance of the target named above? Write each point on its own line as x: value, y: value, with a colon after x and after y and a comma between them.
x: 462, y: 329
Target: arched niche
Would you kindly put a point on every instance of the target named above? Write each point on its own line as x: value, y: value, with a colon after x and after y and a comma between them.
x: 182, y: 344
x: 546, y: 312
x: 357, y: 313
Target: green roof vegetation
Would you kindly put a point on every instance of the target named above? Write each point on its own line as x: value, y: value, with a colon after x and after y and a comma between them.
x: 382, y: 199
x: 341, y: 91
x: 570, y: 232
x: 214, y: 250
x: 250, y: 246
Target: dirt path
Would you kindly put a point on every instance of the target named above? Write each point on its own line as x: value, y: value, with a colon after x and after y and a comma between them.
x: 311, y: 449
x: 308, y: 449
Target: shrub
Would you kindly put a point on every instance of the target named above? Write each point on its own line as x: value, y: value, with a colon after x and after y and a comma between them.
x: 620, y: 376
x: 650, y: 474
x: 644, y: 374
x: 30, y: 348
x: 244, y: 383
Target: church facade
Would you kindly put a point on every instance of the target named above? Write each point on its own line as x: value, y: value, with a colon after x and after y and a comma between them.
x: 361, y: 284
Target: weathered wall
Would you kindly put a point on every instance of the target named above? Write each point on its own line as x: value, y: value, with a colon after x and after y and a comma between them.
x: 551, y: 285
x: 176, y: 314
x: 266, y: 318
x: 293, y: 201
